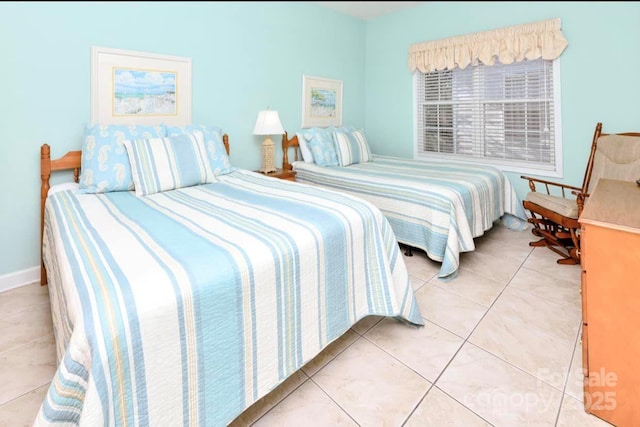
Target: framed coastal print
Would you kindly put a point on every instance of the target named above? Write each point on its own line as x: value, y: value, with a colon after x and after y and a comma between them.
x: 129, y: 87
x: 321, y: 102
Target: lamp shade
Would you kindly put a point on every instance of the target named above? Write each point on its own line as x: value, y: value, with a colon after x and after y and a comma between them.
x: 268, y: 123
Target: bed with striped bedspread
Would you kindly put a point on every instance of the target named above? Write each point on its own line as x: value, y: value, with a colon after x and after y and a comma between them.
x: 435, y: 206
x: 185, y: 307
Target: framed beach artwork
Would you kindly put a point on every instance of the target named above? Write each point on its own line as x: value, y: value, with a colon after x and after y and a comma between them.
x: 321, y: 102
x: 129, y: 87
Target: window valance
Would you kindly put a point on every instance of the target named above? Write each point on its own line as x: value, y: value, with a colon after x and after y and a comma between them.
x: 534, y: 40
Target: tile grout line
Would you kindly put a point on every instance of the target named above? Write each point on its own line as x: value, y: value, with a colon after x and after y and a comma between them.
x: 408, y: 417
x: 398, y: 360
x: 334, y: 357
x: 464, y: 406
x: 444, y: 288
x: 564, y: 389
x: 394, y: 358
x: 33, y: 340
x: 33, y: 307
x: 564, y: 306
x: 496, y: 299
x: 500, y: 358
x: 309, y: 377
x: 25, y: 393
x: 277, y: 403
x: 466, y: 340
x: 333, y: 400
x: 433, y: 384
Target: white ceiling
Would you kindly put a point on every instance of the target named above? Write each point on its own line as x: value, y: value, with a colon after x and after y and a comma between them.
x: 368, y: 9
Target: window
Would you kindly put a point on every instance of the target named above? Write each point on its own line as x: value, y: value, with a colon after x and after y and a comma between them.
x: 505, y: 115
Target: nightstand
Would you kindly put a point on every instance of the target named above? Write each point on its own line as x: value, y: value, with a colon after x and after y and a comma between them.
x: 279, y: 173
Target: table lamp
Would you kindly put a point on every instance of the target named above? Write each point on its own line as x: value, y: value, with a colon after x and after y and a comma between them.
x: 268, y: 123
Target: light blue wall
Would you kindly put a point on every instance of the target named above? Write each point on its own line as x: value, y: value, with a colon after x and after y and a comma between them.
x: 250, y: 55
x: 245, y: 57
x: 599, y: 70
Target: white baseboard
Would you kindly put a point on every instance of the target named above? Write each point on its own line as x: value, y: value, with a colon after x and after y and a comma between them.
x: 19, y: 278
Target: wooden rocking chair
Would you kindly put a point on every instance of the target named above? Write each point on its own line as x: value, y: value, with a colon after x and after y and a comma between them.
x: 555, y: 217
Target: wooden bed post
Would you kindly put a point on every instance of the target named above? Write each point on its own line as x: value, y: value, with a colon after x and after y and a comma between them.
x: 71, y: 160
x: 286, y: 144
x: 45, y: 174
x: 225, y: 140
x: 285, y: 153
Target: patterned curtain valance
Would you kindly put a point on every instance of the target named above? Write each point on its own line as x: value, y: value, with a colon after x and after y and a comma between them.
x: 535, y: 40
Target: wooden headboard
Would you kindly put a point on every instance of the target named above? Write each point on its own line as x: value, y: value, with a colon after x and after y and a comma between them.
x: 69, y: 161
x: 286, y: 144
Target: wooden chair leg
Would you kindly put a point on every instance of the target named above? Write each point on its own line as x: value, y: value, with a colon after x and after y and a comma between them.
x: 539, y: 243
x: 574, y: 252
x: 568, y: 261
x: 563, y: 241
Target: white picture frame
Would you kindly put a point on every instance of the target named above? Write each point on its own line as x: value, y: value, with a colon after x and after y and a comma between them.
x: 321, y: 102
x: 130, y: 87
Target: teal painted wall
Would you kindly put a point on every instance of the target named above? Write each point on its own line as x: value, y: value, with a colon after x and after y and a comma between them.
x: 245, y: 57
x: 250, y: 55
x: 598, y: 69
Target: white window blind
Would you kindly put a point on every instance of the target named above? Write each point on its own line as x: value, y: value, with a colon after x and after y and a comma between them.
x: 503, y: 114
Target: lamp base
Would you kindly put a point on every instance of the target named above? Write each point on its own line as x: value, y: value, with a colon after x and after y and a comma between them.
x: 268, y: 164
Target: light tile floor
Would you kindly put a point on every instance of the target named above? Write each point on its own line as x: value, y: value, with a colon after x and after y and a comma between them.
x: 500, y: 347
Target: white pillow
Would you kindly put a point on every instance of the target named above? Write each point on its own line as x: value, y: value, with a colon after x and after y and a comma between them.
x: 352, y: 147
x: 307, y: 156
x: 162, y: 164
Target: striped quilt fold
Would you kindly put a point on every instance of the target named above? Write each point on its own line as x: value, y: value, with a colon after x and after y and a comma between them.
x: 186, y: 306
x: 435, y: 206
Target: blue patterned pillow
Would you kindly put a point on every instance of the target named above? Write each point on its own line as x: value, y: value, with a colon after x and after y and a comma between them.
x: 304, y: 148
x: 104, y: 162
x: 161, y: 164
x: 320, y: 142
x: 218, y: 158
x: 352, y: 148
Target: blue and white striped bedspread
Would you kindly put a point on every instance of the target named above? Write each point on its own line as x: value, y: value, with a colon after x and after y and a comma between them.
x: 435, y: 206
x: 189, y: 305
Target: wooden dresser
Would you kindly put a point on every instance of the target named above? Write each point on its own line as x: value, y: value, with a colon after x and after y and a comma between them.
x: 610, y: 259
